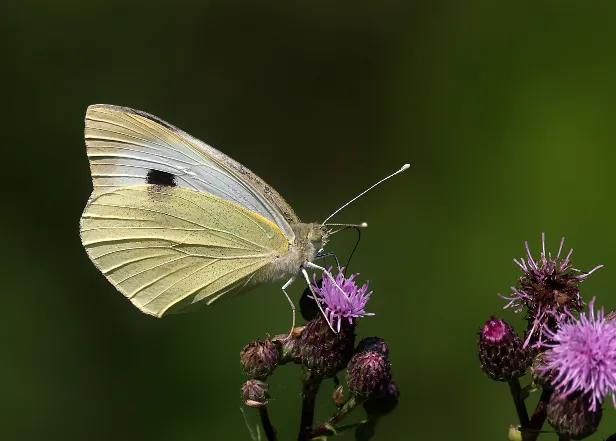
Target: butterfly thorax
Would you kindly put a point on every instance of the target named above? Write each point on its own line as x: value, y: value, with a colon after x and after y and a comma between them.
x: 309, y: 239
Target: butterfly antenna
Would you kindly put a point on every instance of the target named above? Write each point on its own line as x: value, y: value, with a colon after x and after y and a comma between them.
x: 404, y: 167
x: 346, y: 268
x: 346, y: 227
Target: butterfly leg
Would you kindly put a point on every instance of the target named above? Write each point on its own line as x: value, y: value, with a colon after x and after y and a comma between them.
x: 315, y: 296
x: 284, y: 287
x: 330, y: 276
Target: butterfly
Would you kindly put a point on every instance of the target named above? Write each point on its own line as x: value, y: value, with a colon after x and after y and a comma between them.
x: 173, y: 223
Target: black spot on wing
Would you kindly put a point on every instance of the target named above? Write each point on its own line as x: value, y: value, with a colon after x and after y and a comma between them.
x: 157, y: 177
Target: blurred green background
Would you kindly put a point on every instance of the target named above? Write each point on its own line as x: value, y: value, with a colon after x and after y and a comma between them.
x: 504, y: 110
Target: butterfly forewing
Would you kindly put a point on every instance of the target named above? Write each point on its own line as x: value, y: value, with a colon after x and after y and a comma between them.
x: 127, y: 147
x: 166, y: 248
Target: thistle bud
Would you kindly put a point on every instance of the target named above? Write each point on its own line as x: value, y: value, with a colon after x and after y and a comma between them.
x: 368, y: 374
x: 259, y: 358
x: 514, y: 433
x: 570, y: 416
x: 501, y: 351
x: 385, y: 402
x: 255, y: 393
x: 323, y: 351
x: 338, y: 396
x: 374, y: 344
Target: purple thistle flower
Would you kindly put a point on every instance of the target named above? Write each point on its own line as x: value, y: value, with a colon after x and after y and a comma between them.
x: 582, y: 357
x: 548, y: 288
x: 337, y: 306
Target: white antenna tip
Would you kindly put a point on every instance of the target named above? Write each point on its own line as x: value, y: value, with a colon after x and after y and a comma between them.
x: 405, y: 166
x: 363, y: 225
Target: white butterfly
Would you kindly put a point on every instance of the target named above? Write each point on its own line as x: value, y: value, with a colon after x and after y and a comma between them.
x: 173, y: 222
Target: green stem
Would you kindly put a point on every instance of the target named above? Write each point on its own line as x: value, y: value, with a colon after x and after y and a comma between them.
x: 329, y: 428
x: 343, y: 427
x: 269, y: 430
x: 539, y: 416
x: 528, y: 389
x: 351, y: 404
x: 367, y: 430
x: 520, y: 407
x: 310, y: 388
x: 325, y: 431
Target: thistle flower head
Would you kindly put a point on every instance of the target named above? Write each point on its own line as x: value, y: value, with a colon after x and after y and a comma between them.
x: 343, y: 299
x: 570, y: 416
x: 255, y: 393
x: 501, y: 353
x: 322, y: 351
x: 548, y: 288
x: 368, y: 374
x: 259, y: 358
x: 582, y: 357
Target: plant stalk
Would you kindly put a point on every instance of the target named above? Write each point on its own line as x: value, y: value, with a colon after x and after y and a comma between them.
x: 269, y: 430
x: 539, y: 416
x: 329, y: 428
x: 310, y: 388
x: 520, y: 406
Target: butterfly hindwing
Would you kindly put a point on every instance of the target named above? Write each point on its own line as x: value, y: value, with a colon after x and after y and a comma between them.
x: 167, y: 247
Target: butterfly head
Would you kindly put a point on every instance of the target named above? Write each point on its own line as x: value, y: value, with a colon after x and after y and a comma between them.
x: 318, y: 235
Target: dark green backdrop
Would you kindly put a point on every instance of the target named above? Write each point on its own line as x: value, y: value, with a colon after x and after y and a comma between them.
x: 505, y: 111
